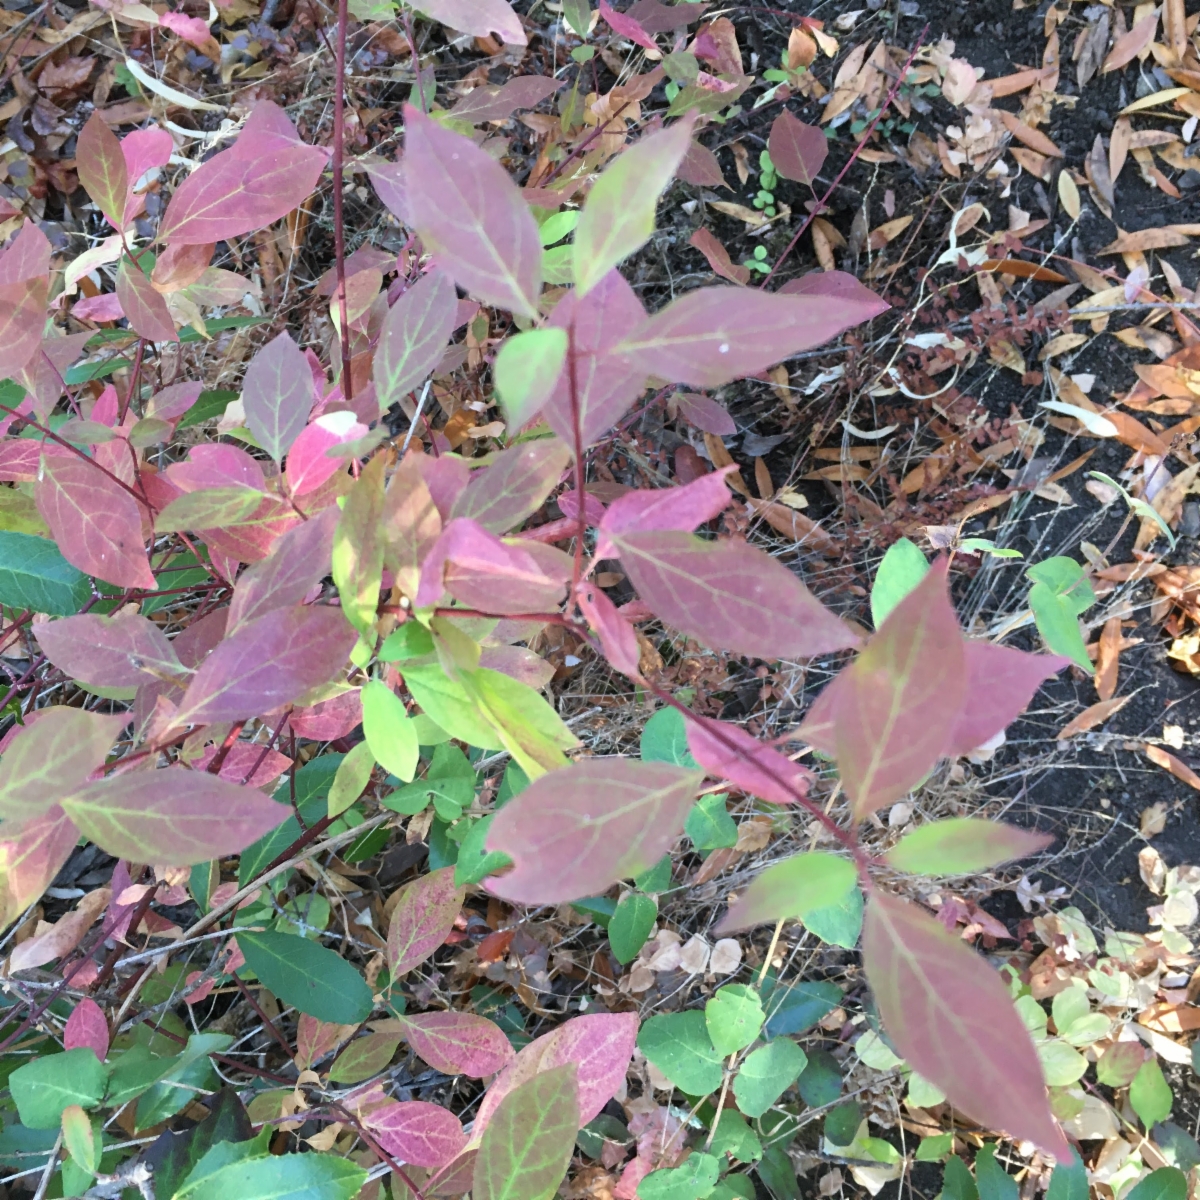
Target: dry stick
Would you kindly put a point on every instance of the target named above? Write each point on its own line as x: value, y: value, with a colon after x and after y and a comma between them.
x: 339, y: 236
x: 862, y: 142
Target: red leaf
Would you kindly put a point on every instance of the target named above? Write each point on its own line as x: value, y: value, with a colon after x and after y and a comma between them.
x: 718, y: 257
x: 120, y: 651
x: 172, y: 402
x: 617, y: 639
x: 515, y: 486
x: 21, y: 457
x: 599, y: 1044
x: 277, y: 394
x: 897, y: 703
x: 705, y: 414
x: 415, y: 333
x: 102, y: 169
x: 105, y: 307
x: 576, y: 831
x: 329, y: 719
x: 1000, y: 683
x: 701, y: 168
x: 246, y: 763
x: 797, y: 150
x: 949, y: 1014
x: 606, y: 383
x: 27, y: 256
x: 855, y: 302
x: 457, y: 1043
x: 266, y: 173
x: 268, y: 662
x: 470, y: 214
x: 414, y: 1131
x: 627, y: 27
x: 31, y: 854
x: 298, y: 561
x: 143, y: 150
x: 422, y: 919
x: 145, y: 307
x: 730, y: 596
x: 753, y: 767
x: 308, y: 463
x: 498, y: 102
x: 172, y: 816
x: 712, y: 335
x: 24, y: 294
x: 646, y: 510
x: 86, y: 1026
x: 96, y: 522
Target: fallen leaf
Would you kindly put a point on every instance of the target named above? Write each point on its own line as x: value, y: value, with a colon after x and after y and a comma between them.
x: 889, y: 230
x: 1127, y: 47
x: 1168, y: 761
x: 1154, y: 100
x: 1118, y: 147
x: 1022, y: 269
x: 1093, y: 715
x: 1153, y: 820
x: 1161, y: 238
x: 1068, y: 194
x: 1108, y: 658
x: 1033, y: 138
x: 1152, y: 869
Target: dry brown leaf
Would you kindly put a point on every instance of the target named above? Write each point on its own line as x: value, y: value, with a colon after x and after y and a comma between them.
x: 1093, y: 715
x: 1153, y: 820
x: 720, y: 457
x: 1033, y: 138
x: 754, y: 834
x: 1175, y: 32
x: 1154, y: 100
x: 1130, y: 45
x: 1061, y: 345
x: 1068, y: 194
x: 1168, y: 761
x: 714, y: 864
x: 801, y: 48
x: 795, y: 526
x: 889, y: 230
x: 762, y: 479
x: 1136, y: 436
x: 1022, y: 269
x: 750, y: 216
x: 822, y: 247
x: 1152, y: 869
x: 1108, y: 659
x: 718, y: 257
x: 1118, y: 147
x: 1096, y: 168
x: 1169, y: 505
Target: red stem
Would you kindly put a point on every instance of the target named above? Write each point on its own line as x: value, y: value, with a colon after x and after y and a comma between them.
x: 339, y: 149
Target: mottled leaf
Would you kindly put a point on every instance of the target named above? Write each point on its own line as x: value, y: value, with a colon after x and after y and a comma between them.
x: 145, y: 307
x: 422, y: 919
x: 122, y: 651
x: 309, y: 463
x: 30, y: 857
x: 411, y: 526
x: 358, y: 548
x: 415, y: 332
x: 414, y: 1131
x: 577, y: 831
x: 102, y: 170
x: 793, y: 888
x: 963, y: 846
x: 514, y: 486
x: 457, y: 1043
x: 277, y: 395
x: 948, y: 1013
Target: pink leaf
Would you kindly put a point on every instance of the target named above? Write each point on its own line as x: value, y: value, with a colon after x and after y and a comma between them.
x: 144, y: 150
x: 27, y: 256
x: 63, y: 936
x: 607, y: 383
x: 949, y: 1014
x: 852, y: 300
x: 896, y: 711
x: 192, y: 29
x: 268, y: 662
x: 86, y: 1026
x: 753, y: 767
x: 599, y: 1044
x: 730, y: 595
x: 1000, y: 683
x: 300, y: 560
x: 617, y: 638
x: 457, y: 1043
x: 415, y: 333
x: 647, y: 510
x: 96, y: 522
x: 479, y: 18
x: 20, y: 458
x: 713, y: 335
x: 445, y: 477
x: 329, y: 719
x: 118, y: 651
x: 593, y: 509
x: 32, y: 852
x: 24, y: 294
x: 144, y: 307
x: 498, y: 102
x: 246, y: 763
x: 308, y: 463
x: 470, y: 214
x: 277, y: 394
x: 173, y: 402
x: 266, y: 173
x: 414, y: 1131
x: 387, y: 178
x: 217, y: 465
x: 627, y: 27
x: 422, y: 919
x: 515, y: 486
x: 797, y: 150
x: 576, y: 831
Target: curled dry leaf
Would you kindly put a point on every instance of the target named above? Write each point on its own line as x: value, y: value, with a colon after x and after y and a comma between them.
x: 1093, y: 715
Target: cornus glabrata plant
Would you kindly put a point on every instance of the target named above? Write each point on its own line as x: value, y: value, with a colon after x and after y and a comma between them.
x: 438, y: 578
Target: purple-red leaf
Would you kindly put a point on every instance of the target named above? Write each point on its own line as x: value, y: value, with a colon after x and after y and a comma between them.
x: 422, y: 919
x: 416, y: 1132
x: 730, y: 595
x: 897, y: 703
x: 120, y: 651
x: 515, y: 486
x: 309, y: 463
x: 479, y: 18
x: 854, y: 302
x: 576, y: 831
x: 266, y: 173
x: 172, y: 816
x: 714, y: 335
x: 646, y: 510
x: 102, y: 169
x: 24, y: 294
x: 797, y: 150
x: 32, y: 852
x: 1000, y: 683
x: 267, y: 663
x: 606, y: 382
x: 145, y: 307
x: 87, y: 1026
x: 415, y: 332
x: 457, y: 1043
x: 617, y: 638
x: 498, y: 101
x: 729, y: 752
x: 143, y: 150
x: 626, y: 27
x: 949, y: 1015
x: 95, y: 521
x: 277, y: 395
x: 599, y: 1045
x: 471, y: 215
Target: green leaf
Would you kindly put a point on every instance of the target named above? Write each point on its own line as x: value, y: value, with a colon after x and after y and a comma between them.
x: 631, y: 924
x: 283, y: 1177
x: 578, y: 14
x: 364, y: 1057
x: 82, y: 1140
x: 525, y: 373
x: 692, y: 1181
x: 962, y: 846
x: 902, y: 568
x: 795, y: 887
x: 174, y: 1155
x: 1167, y: 1183
x: 411, y: 640
x: 994, y: 1182
x: 191, y: 1072
x: 838, y: 924
x: 820, y: 1083
x: 778, y: 1173
x: 733, y: 1136
x: 678, y: 1044
x: 1064, y: 577
x: 766, y: 1074
x: 1062, y: 1064
x: 447, y: 703
x: 307, y: 976
x: 664, y: 739
x: 1150, y: 1094
x: 527, y: 1145
x: 1057, y: 623
x: 656, y: 879
x: 841, y: 1123
x: 734, y: 1017
x: 934, y: 1149
x: 709, y: 824
x: 46, y: 1086
x: 353, y: 775
x: 1069, y: 1181
x: 34, y: 575
x: 358, y: 545
x: 475, y: 861
x: 389, y: 731
x: 619, y: 215
x: 957, y: 1183
x: 208, y: 406
x: 799, y: 1006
